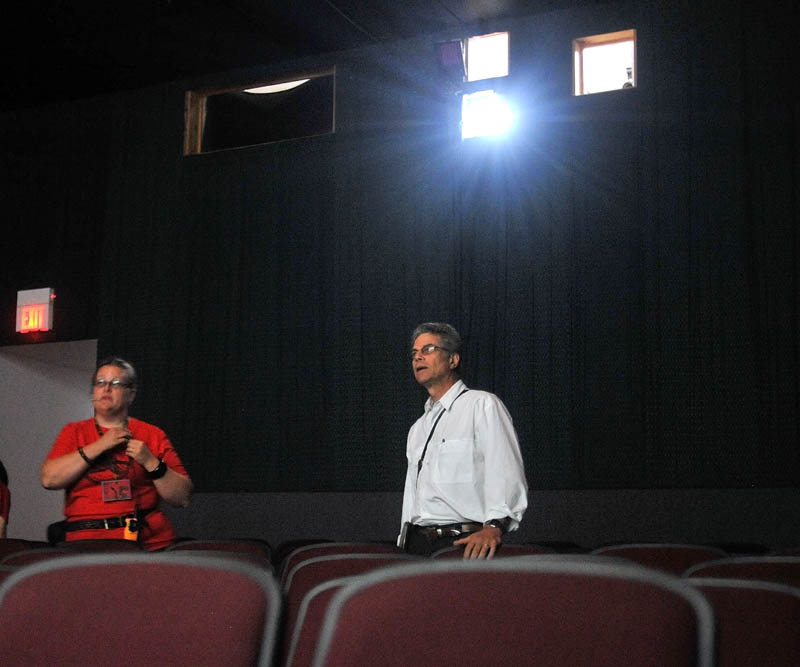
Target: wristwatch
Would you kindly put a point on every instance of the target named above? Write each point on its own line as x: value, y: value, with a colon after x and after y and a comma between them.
x: 501, y: 524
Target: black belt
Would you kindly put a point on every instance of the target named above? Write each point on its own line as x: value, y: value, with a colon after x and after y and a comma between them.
x: 109, y: 523
x: 446, y: 530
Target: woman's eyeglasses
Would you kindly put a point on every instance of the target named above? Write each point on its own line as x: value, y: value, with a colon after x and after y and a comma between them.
x: 116, y: 383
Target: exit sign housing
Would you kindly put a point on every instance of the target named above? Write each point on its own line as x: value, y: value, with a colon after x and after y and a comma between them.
x: 35, y: 310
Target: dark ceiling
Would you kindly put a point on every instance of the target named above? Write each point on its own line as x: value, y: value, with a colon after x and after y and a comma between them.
x: 57, y: 50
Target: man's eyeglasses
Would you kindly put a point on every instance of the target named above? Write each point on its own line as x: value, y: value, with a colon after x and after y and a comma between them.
x: 116, y: 383
x: 425, y: 350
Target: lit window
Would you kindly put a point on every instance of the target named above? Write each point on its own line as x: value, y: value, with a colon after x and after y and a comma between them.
x: 605, y: 62
x: 485, y: 114
x: 487, y: 56
x: 259, y: 113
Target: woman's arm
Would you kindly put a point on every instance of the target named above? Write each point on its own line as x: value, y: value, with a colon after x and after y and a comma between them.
x: 64, y: 471
x: 174, y: 488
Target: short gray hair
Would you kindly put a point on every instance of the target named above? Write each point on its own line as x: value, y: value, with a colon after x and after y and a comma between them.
x: 126, y: 366
x: 450, y: 338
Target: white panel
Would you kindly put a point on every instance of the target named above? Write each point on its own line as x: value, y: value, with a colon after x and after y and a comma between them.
x: 42, y: 387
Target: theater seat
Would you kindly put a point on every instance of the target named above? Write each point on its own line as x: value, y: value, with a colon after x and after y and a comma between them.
x: 136, y: 609
x: 517, y: 611
x: 758, y: 623
x: 673, y: 558
x: 29, y: 556
x: 330, y: 548
x: 505, y: 551
x: 309, y: 573
x: 778, y: 569
x: 11, y: 545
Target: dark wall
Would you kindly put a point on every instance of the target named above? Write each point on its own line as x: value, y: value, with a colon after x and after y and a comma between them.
x: 624, y: 268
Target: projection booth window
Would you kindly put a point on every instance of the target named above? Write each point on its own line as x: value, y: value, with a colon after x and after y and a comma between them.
x: 604, y: 62
x: 259, y: 113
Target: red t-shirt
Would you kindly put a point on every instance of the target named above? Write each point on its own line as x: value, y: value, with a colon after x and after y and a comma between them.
x: 5, y: 501
x: 84, y: 499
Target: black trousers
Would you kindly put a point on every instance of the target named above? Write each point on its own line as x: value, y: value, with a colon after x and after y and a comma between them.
x: 420, y: 545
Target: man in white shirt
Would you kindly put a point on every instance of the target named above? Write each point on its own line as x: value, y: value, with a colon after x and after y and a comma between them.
x: 465, y: 484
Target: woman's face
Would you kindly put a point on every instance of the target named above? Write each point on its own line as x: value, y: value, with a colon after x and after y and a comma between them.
x: 110, y: 391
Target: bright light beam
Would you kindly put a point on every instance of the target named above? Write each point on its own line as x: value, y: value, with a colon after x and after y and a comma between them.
x: 485, y: 114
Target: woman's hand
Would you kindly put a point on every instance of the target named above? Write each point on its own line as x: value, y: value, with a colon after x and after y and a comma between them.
x: 140, y: 453
x: 114, y: 436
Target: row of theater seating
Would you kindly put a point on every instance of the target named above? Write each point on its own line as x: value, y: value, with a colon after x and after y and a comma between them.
x: 335, y: 603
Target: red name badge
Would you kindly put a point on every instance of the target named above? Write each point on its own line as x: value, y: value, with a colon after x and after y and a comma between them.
x: 116, y: 489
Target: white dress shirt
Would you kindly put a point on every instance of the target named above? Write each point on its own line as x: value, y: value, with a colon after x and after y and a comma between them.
x: 473, y: 468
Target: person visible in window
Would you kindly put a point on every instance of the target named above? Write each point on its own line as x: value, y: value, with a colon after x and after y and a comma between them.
x: 5, y: 500
x: 115, y: 469
x: 465, y: 484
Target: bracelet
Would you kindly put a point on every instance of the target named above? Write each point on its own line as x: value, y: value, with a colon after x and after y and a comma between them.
x: 159, y: 471
x: 84, y: 457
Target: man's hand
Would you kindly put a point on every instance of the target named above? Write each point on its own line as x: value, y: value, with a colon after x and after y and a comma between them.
x: 482, y: 544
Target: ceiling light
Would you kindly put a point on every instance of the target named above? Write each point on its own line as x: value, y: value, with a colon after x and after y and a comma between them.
x: 276, y: 87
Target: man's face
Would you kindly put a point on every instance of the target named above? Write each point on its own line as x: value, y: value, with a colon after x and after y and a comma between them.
x: 434, y: 367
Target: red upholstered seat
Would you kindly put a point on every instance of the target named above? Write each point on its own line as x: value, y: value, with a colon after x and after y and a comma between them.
x: 35, y: 555
x: 666, y: 557
x: 329, y: 548
x: 517, y: 611
x: 505, y: 551
x: 302, y: 639
x: 11, y: 545
x: 250, y: 551
x: 758, y: 623
x: 778, y: 569
x: 234, y: 544
x: 309, y: 573
x: 6, y: 571
x: 125, y: 609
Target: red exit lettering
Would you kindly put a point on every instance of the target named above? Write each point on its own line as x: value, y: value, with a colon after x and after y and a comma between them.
x: 34, y: 318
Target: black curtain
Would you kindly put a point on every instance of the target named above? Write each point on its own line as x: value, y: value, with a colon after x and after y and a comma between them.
x: 624, y: 268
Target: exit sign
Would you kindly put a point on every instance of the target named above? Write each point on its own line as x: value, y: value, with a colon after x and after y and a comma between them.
x: 35, y: 310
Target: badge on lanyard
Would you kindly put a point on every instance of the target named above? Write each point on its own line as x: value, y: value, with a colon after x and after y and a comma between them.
x: 116, y: 489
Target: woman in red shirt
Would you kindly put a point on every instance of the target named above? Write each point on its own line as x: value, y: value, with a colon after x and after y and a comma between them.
x: 115, y: 469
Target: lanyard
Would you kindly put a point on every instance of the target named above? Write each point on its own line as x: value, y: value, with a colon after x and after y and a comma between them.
x: 433, y: 428
x: 107, y: 461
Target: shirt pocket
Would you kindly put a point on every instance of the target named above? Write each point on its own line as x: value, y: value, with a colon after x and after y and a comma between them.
x: 454, y: 463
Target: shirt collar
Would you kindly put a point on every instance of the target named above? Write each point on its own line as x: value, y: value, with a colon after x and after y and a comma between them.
x: 450, y: 396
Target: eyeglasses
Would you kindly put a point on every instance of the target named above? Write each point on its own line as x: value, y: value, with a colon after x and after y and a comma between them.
x: 425, y: 350
x: 116, y: 383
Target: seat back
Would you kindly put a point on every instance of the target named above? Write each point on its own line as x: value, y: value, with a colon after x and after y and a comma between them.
x: 504, y: 551
x: 201, y: 610
x: 538, y: 611
x: 330, y: 548
x: 6, y: 571
x: 666, y: 557
x: 234, y: 544
x: 758, y: 623
x: 302, y: 639
x: 10, y: 545
x: 307, y: 574
x: 35, y: 555
x: 778, y: 569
